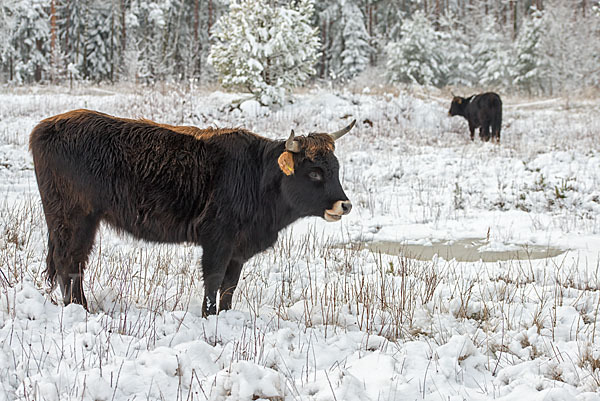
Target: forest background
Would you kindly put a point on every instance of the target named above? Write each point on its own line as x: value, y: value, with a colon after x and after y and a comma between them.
x: 538, y: 47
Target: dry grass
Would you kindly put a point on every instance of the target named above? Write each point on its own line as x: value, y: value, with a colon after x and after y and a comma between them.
x: 513, y: 312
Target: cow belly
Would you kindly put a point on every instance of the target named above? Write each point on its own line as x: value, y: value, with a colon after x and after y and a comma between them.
x: 163, y: 229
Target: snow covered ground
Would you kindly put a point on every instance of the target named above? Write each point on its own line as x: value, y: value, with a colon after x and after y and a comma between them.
x: 320, y: 316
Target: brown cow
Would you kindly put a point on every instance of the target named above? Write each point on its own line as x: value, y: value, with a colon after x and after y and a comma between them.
x: 228, y: 190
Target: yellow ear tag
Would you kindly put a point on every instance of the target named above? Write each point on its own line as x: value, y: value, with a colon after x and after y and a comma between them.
x: 459, y: 101
x: 286, y: 163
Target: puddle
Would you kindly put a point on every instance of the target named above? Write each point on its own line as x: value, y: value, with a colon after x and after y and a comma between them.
x: 466, y: 250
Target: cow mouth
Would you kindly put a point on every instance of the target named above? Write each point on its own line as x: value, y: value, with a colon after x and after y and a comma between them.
x: 339, y: 209
x: 332, y: 216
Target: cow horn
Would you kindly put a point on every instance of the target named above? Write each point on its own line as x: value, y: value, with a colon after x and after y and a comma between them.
x: 291, y: 145
x: 338, y: 134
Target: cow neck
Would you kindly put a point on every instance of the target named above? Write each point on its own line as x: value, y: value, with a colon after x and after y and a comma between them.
x: 277, y: 212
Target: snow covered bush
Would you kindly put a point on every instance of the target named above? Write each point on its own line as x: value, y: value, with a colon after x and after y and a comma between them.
x: 416, y: 57
x: 265, y: 50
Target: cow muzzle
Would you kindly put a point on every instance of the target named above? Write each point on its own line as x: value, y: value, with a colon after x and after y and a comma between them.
x: 339, y: 209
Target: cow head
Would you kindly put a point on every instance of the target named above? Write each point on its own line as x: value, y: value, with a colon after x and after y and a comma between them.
x: 457, y: 107
x: 311, y: 183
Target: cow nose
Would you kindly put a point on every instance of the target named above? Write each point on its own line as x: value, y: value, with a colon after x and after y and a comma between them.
x: 346, y: 206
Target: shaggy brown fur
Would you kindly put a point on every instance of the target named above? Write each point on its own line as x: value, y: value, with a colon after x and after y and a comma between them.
x: 316, y: 145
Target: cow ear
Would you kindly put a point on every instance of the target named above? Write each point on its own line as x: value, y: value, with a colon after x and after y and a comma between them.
x: 459, y: 101
x: 286, y: 163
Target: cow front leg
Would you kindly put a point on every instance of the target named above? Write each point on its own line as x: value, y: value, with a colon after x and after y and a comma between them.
x: 472, y: 131
x: 229, y: 284
x: 214, y: 266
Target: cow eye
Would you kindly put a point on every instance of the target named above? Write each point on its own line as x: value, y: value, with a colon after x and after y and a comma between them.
x: 315, y: 176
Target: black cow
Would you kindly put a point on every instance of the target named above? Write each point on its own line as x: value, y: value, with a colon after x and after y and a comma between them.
x: 228, y: 190
x: 481, y: 111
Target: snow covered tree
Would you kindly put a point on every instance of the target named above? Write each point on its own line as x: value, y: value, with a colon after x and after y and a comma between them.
x: 30, y: 40
x: 355, y: 56
x: 346, y: 44
x: 530, y: 67
x: 456, y: 52
x: 417, y: 56
x: 101, y: 41
x: 179, y: 41
x: 71, y: 32
x: 147, y: 27
x: 90, y: 38
x: 493, y: 56
x: 7, y: 51
x: 267, y: 50
x: 573, y: 43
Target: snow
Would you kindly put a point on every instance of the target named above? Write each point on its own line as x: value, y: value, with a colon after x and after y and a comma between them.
x: 320, y: 316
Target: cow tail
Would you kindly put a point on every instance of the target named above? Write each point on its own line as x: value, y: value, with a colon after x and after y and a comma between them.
x: 497, y: 123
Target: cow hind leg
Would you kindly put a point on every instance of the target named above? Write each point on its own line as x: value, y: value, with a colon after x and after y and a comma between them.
x: 72, y: 225
x: 484, y: 132
x: 229, y: 284
x: 50, y: 271
x: 496, y: 132
x: 71, y: 243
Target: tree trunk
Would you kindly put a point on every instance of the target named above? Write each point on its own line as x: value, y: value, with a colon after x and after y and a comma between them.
x: 123, y: 26
x: 197, y: 45
x: 67, y: 48
x: 373, y: 22
x: 112, y: 43
x: 514, y: 10
x: 210, y: 14
x: 196, y: 19
x: 324, y: 48
x: 37, y: 76
x: 53, y: 50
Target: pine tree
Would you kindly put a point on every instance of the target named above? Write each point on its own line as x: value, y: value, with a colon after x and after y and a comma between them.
x: 101, y: 41
x: 456, y: 52
x: 355, y: 56
x: 71, y: 33
x: 149, y: 34
x: 264, y: 49
x: 30, y: 40
x: 131, y: 46
x: 531, y: 65
x: 346, y: 48
x: 179, y: 40
x: 7, y: 50
x: 328, y: 17
x: 573, y: 41
x: 493, y: 55
x: 416, y: 57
